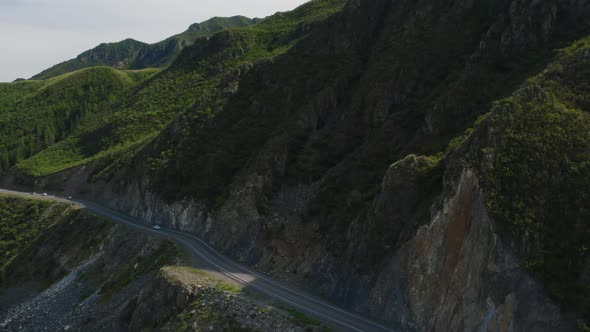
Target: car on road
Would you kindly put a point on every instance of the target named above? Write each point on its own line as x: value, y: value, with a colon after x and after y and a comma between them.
x: 34, y: 193
x: 69, y: 198
x: 157, y: 227
x: 44, y: 194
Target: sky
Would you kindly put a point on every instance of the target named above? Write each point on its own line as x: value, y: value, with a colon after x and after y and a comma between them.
x: 37, y: 34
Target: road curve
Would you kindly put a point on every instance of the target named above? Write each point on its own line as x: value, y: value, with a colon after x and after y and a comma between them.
x: 335, y: 317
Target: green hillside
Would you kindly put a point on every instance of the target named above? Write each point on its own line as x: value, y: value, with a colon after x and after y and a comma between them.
x: 202, y: 75
x: 133, y: 54
x: 36, y: 114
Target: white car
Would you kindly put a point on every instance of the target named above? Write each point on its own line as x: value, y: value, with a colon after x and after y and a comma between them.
x: 44, y: 194
x: 157, y: 227
x: 69, y: 198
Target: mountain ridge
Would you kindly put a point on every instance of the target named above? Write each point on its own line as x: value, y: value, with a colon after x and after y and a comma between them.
x: 133, y: 54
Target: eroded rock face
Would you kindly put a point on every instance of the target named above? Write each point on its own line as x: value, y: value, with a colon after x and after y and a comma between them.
x: 456, y: 272
x: 453, y: 273
x: 462, y: 276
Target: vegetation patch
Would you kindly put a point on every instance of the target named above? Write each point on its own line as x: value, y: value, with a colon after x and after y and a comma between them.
x: 193, y: 276
x: 137, y: 267
x: 35, y: 115
x: 302, y: 319
x: 37, y: 235
x: 539, y: 184
x: 22, y: 221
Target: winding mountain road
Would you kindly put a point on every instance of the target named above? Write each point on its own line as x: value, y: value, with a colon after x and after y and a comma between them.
x: 335, y: 317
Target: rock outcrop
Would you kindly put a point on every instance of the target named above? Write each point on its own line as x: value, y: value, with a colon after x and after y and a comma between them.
x: 177, y: 300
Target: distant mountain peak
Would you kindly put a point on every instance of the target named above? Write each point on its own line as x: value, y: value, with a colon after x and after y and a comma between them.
x: 220, y: 21
x: 133, y: 54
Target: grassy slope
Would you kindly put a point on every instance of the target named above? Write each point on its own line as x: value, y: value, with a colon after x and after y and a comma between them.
x: 36, y: 114
x: 142, y: 112
x: 132, y: 54
x: 212, y: 26
x: 127, y: 123
x: 106, y: 54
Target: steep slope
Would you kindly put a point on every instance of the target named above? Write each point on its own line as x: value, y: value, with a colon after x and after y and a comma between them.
x: 206, y: 74
x: 532, y: 151
x: 132, y: 54
x: 23, y: 221
x: 36, y: 114
x: 353, y: 158
x: 75, y: 271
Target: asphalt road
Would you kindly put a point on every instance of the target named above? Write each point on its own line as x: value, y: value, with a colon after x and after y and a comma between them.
x: 335, y: 317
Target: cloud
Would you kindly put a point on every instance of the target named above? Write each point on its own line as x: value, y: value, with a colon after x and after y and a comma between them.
x: 36, y: 34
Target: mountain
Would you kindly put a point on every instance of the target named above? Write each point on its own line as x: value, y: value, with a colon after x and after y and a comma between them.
x: 204, y: 74
x: 36, y: 114
x: 133, y: 54
x: 425, y: 164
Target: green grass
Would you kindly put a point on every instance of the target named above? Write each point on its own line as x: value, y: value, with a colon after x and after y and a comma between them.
x: 36, y: 114
x: 135, y: 117
x: 212, y: 26
x: 213, y: 281
x: 21, y: 222
x: 302, y: 319
x: 103, y: 55
x: 139, y: 75
x: 230, y: 288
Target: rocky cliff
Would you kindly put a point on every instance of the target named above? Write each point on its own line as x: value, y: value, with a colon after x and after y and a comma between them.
x: 360, y: 163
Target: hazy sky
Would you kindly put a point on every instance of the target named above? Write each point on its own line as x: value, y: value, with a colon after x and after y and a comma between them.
x: 36, y: 34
